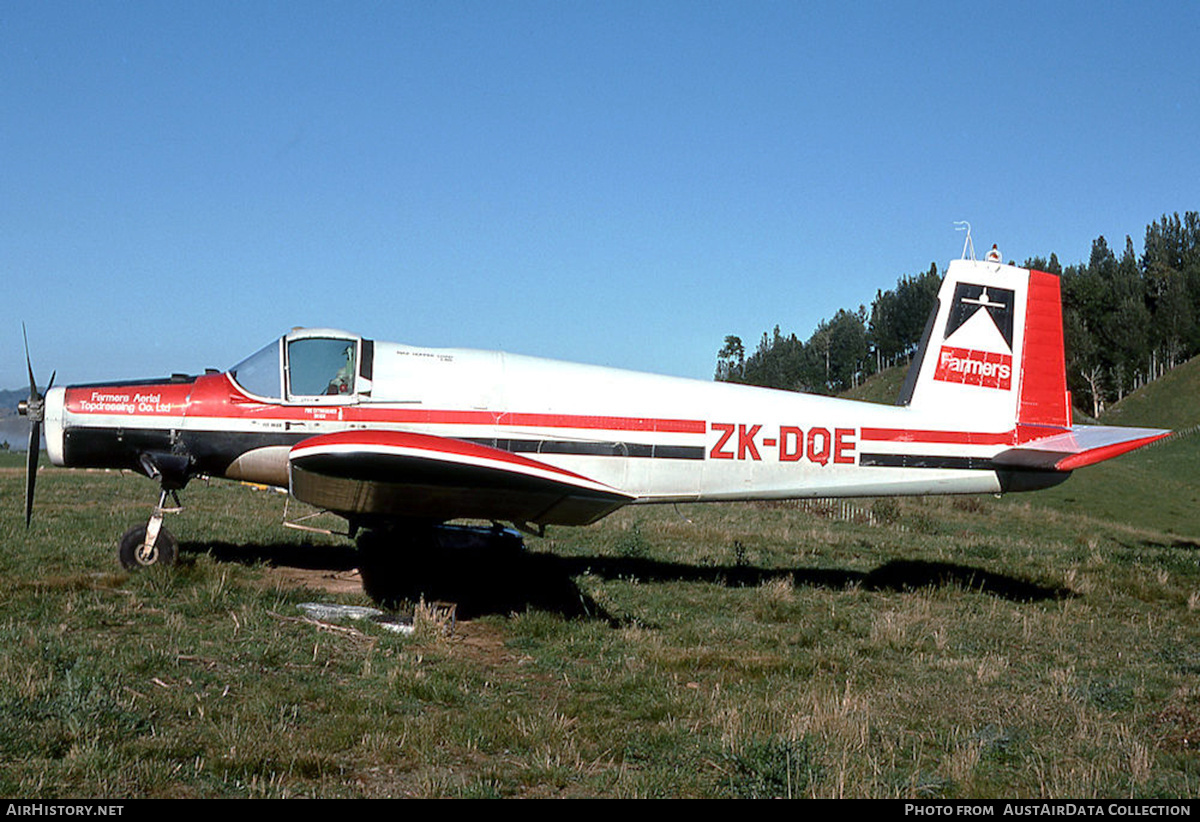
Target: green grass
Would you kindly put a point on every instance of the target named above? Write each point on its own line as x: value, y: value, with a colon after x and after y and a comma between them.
x: 15, y: 459
x: 954, y: 648
x: 1156, y: 488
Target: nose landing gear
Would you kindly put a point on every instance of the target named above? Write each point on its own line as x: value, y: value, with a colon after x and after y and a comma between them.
x: 151, y: 544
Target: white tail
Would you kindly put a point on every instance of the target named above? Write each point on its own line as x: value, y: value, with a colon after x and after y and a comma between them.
x: 993, y: 352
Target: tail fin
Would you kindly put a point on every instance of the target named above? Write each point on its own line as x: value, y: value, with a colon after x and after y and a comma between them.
x: 993, y: 352
x: 992, y: 361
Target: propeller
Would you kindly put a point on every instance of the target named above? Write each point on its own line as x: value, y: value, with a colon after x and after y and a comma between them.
x: 34, y: 409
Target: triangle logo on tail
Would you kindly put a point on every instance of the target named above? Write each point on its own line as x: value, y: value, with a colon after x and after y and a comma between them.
x: 978, y: 339
x: 970, y: 300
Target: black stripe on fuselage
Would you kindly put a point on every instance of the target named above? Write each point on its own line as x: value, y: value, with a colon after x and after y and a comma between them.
x: 594, y: 449
x: 213, y: 451
x: 1010, y: 478
x: 174, y: 379
x: 926, y: 461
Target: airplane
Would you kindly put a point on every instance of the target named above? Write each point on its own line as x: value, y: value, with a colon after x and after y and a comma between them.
x: 400, y: 440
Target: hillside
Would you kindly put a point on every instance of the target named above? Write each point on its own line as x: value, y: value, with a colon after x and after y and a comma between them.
x: 14, y: 429
x: 8, y: 402
x: 1168, y: 402
x: 882, y: 388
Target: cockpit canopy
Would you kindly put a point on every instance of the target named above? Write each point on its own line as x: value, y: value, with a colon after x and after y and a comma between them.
x: 309, y: 364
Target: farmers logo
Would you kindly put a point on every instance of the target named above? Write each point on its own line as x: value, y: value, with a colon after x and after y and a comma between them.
x: 968, y: 367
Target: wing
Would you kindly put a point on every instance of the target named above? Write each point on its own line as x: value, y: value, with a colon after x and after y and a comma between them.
x: 401, y: 474
x: 1080, y: 446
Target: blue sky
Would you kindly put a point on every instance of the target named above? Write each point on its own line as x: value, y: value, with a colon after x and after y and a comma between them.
x: 621, y: 183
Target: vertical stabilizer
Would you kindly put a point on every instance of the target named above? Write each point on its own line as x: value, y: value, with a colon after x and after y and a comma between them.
x: 992, y: 358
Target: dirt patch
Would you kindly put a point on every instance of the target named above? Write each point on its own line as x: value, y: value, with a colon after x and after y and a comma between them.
x: 480, y: 641
x: 334, y: 582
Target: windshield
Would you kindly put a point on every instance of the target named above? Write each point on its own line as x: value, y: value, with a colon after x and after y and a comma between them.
x: 259, y: 373
x: 320, y: 366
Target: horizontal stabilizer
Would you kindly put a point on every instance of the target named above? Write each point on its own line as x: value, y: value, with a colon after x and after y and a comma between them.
x: 1080, y: 446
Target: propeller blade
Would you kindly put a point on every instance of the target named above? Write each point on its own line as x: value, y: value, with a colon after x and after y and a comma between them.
x: 31, y: 466
x: 35, y: 409
x: 33, y: 392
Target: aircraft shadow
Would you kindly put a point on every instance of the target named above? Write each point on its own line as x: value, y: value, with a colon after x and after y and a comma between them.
x: 1184, y: 544
x: 480, y: 583
x: 287, y: 555
x: 897, y: 575
x: 501, y: 582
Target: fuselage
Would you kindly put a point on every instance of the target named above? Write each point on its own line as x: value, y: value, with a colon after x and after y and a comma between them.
x: 655, y: 438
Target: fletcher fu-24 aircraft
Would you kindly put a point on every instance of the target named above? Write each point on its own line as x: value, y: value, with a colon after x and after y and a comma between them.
x: 399, y: 440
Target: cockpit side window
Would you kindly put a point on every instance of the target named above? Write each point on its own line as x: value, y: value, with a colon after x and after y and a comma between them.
x: 320, y: 366
x: 259, y: 373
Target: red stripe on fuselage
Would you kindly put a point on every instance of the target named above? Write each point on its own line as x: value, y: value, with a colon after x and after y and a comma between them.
x: 164, y: 399
x: 1022, y: 434
x: 509, y: 418
x: 216, y: 396
x: 947, y: 437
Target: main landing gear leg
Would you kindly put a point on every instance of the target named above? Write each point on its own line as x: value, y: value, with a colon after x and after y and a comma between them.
x: 151, y: 544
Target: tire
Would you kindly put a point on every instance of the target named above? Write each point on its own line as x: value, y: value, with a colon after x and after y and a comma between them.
x: 382, y: 566
x: 463, y: 564
x: 164, y: 552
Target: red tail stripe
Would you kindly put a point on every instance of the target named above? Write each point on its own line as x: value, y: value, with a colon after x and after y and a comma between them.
x: 950, y: 437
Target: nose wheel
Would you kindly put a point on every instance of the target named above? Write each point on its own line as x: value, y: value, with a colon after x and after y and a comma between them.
x: 150, y: 544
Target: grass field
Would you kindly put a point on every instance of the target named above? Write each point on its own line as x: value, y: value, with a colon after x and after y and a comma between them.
x: 966, y: 647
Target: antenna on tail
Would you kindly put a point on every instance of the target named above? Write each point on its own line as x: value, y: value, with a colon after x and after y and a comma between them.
x: 969, y: 245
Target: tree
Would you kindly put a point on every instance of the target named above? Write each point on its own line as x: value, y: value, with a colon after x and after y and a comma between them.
x: 898, y: 316
x: 848, y: 351
x: 1094, y: 377
x: 883, y: 330
x: 1171, y: 268
x: 1085, y: 367
x: 776, y: 363
x: 1127, y: 338
x: 731, y: 360
x: 1173, y: 325
x: 916, y: 296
